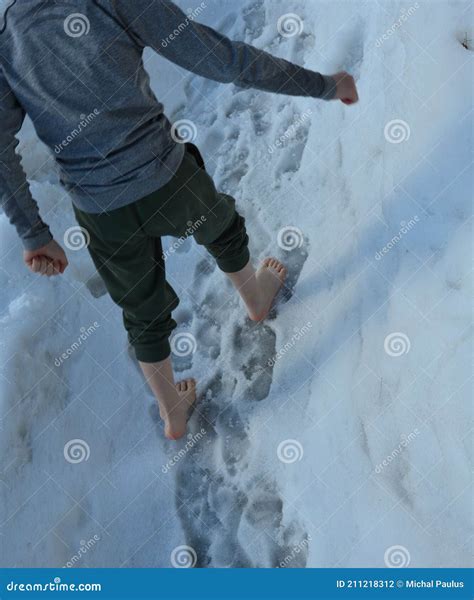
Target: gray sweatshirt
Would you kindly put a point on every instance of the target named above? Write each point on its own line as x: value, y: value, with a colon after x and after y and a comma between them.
x: 76, y: 68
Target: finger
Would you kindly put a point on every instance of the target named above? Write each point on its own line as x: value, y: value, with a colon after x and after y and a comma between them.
x: 52, y: 268
x: 35, y: 265
x: 351, y: 99
x: 44, y: 265
x: 49, y: 268
x: 41, y: 265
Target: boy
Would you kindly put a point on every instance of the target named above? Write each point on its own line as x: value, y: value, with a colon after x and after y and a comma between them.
x: 131, y: 180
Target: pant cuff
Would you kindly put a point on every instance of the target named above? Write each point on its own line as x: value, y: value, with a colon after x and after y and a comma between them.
x: 235, y: 263
x: 154, y: 353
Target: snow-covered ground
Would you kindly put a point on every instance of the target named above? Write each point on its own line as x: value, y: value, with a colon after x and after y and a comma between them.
x: 337, y: 433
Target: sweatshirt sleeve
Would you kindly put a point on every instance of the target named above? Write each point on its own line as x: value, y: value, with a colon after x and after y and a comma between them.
x: 163, y: 26
x: 15, y: 197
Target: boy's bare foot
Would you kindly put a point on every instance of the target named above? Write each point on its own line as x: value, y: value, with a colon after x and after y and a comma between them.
x: 176, y: 421
x: 270, y: 277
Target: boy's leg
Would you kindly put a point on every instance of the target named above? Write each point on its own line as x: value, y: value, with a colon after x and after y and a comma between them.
x: 256, y: 288
x: 222, y: 231
x: 132, y: 267
x: 174, y: 400
x: 259, y: 288
x: 191, y: 203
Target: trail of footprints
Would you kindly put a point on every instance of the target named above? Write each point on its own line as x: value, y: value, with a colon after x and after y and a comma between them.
x: 230, y: 517
x: 216, y: 505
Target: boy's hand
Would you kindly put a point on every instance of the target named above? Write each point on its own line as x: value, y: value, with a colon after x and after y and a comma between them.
x: 49, y: 260
x: 346, y: 88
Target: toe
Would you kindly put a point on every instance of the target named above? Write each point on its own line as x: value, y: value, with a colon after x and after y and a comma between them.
x: 278, y: 267
x: 173, y: 435
x: 270, y: 263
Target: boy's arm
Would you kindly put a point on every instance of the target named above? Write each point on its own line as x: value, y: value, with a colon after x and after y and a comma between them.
x: 202, y: 50
x: 15, y: 196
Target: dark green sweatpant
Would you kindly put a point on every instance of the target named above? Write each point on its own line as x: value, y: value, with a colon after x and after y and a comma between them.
x: 125, y: 245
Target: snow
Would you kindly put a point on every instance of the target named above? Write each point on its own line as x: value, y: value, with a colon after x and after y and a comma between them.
x: 320, y: 439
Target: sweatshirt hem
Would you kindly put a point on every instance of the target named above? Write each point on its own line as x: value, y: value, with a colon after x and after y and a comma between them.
x: 128, y: 193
